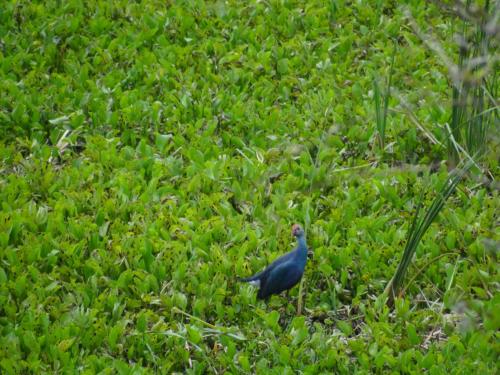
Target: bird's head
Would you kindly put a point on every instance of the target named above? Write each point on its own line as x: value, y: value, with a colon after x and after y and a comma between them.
x: 297, y: 230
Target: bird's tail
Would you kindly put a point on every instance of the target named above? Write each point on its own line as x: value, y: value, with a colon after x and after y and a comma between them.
x: 250, y: 278
x: 247, y: 279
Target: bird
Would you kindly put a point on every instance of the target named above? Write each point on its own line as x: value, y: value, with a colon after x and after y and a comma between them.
x: 285, y: 272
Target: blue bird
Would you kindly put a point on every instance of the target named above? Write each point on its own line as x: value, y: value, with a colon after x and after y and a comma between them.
x: 285, y: 272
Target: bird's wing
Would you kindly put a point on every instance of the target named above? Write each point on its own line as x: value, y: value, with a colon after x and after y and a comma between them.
x: 282, y: 259
x: 282, y: 277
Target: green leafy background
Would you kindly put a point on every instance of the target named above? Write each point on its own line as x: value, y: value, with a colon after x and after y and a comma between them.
x: 151, y: 152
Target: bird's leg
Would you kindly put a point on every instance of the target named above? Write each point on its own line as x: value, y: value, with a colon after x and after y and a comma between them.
x: 299, y: 298
x: 290, y: 301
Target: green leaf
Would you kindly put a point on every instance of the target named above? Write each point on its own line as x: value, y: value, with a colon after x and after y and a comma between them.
x: 282, y: 66
x: 142, y: 323
x: 147, y: 255
x: 65, y: 344
x: 299, y: 335
x: 345, y: 327
x: 114, y: 336
x: 412, y: 334
x: 244, y: 362
x: 194, y: 334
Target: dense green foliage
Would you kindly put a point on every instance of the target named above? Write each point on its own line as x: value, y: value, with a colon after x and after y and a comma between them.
x: 151, y: 152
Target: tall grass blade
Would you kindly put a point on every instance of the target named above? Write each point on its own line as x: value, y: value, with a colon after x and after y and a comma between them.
x: 419, y: 226
x: 474, y: 108
x: 378, y: 113
x: 382, y: 109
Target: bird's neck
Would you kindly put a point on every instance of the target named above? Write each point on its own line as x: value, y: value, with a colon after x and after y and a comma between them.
x: 302, y: 248
x: 302, y: 243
